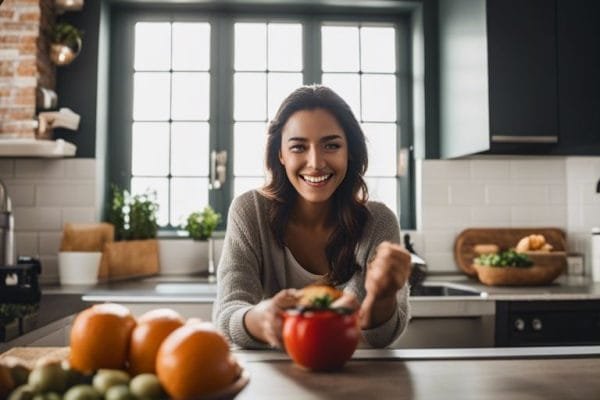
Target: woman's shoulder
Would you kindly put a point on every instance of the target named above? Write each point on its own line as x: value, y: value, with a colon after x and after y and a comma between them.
x: 250, y: 203
x: 380, y: 211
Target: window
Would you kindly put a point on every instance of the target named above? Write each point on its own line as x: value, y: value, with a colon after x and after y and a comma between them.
x: 194, y: 93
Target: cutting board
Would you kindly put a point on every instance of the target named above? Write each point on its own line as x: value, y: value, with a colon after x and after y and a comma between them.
x: 29, y: 355
x: 505, y: 238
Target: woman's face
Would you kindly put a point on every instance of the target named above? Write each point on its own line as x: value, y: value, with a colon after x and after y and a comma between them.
x: 314, y: 153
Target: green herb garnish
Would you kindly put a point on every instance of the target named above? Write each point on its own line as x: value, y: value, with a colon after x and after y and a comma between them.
x: 509, y: 258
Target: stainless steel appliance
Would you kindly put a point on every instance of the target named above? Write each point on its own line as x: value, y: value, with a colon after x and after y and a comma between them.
x: 7, y: 238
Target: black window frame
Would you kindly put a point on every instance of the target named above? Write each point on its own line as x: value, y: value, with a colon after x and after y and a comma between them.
x: 123, y: 18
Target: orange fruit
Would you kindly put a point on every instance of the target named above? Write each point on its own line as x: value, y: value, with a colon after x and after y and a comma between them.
x: 100, y: 338
x: 152, y: 328
x: 194, y: 361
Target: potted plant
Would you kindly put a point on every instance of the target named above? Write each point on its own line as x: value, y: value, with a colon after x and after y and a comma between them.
x: 201, y: 224
x: 135, y: 251
x: 182, y: 256
x: 66, y: 43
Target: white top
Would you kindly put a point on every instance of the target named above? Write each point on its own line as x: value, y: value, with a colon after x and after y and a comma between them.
x: 297, y: 277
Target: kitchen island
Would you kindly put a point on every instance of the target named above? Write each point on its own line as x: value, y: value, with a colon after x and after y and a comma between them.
x: 534, y: 373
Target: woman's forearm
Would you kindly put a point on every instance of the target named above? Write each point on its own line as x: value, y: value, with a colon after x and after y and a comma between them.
x: 252, y: 322
x: 375, y: 312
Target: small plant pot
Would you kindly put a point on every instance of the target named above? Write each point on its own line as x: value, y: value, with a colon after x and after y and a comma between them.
x: 28, y: 322
x: 61, y: 54
x: 9, y: 330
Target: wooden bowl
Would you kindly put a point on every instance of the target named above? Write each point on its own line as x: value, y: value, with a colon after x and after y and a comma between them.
x: 513, y: 276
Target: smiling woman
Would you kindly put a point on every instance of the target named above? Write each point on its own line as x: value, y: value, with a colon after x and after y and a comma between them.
x: 311, y: 223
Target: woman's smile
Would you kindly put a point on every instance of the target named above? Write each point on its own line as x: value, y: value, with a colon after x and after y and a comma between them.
x: 317, y: 181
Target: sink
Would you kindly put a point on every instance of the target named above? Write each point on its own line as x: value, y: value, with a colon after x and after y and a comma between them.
x: 186, y: 288
x: 442, y: 290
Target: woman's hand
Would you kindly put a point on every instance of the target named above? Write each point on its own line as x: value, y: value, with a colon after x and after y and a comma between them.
x: 387, y: 273
x: 265, y: 320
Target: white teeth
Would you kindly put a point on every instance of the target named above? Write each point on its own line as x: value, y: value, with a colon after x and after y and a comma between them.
x: 315, y: 179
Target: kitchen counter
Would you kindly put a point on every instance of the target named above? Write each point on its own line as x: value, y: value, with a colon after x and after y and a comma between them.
x: 534, y: 373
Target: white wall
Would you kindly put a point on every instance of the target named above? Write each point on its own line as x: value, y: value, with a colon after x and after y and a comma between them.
x: 452, y: 195
x: 504, y: 192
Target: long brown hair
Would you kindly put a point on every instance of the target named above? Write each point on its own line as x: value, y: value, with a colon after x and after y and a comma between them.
x: 349, y: 213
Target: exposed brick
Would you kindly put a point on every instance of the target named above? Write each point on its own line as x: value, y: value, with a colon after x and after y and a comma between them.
x: 7, y: 15
x: 7, y: 68
x: 27, y: 68
x: 30, y: 17
x: 9, y: 39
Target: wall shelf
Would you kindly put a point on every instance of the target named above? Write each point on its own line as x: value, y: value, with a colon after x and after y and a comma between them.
x: 36, y: 148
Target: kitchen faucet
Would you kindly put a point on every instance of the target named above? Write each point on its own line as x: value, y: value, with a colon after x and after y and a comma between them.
x: 7, y: 256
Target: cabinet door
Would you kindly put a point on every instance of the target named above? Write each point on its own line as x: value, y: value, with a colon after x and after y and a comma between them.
x: 522, y: 71
x: 579, y: 76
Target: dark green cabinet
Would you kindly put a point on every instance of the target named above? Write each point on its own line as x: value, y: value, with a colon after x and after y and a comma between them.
x: 519, y: 77
x: 578, y: 29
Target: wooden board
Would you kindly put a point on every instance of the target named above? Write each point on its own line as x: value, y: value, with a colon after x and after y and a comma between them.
x: 28, y: 356
x: 505, y: 238
x: 129, y: 259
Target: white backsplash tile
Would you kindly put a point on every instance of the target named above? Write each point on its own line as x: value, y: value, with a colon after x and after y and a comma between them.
x: 49, y: 242
x: 470, y: 194
x: 490, y: 170
x: 7, y: 169
x: 38, y: 168
x: 21, y: 194
x: 26, y: 244
x: 484, y: 216
x: 80, y: 168
x: 546, y: 169
x: 436, y: 194
x: 65, y: 194
x: 79, y: 215
x: 37, y: 219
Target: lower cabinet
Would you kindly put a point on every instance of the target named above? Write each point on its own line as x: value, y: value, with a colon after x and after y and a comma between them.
x: 447, y: 332
x: 547, y: 323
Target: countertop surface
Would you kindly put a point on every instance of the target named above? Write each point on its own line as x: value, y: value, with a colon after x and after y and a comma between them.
x: 201, y: 289
x: 508, y: 373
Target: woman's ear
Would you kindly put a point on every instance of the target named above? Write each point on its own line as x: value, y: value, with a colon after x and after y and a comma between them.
x: 281, y: 158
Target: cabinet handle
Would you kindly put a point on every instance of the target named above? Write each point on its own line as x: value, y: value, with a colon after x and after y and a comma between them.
x: 524, y: 139
x: 519, y: 324
x: 536, y: 324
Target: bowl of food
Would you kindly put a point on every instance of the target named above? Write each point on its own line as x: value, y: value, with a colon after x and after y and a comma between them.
x: 318, y: 336
x: 510, y: 268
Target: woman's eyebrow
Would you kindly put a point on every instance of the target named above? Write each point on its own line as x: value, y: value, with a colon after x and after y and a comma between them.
x: 323, y: 139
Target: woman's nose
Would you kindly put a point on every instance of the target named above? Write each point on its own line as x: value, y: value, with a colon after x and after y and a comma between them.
x: 315, y: 158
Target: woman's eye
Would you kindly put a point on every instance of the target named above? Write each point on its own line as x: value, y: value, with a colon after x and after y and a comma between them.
x: 332, y: 146
x: 297, y: 148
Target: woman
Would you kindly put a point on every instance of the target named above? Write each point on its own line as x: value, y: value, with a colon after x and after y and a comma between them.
x: 311, y: 222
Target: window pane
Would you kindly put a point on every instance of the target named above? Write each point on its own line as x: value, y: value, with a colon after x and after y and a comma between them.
x: 250, y: 97
x: 381, y: 144
x: 191, y: 95
x: 250, y: 47
x: 242, y: 185
x: 152, y: 46
x: 379, y: 97
x: 377, y: 50
x: 188, y: 194
x: 161, y: 187
x: 383, y: 190
x: 189, y: 148
x: 151, y: 96
x: 249, y: 140
x: 280, y: 86
x: 348, y: 87
x: 150, y: 148
x: 340, y: 48
x: 191, y: 46
x: 285, y: 47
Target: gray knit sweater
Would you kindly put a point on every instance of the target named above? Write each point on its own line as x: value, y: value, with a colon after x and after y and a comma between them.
x: 250, y: 269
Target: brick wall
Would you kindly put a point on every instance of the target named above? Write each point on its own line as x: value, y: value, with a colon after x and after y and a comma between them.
x: 24, y: 62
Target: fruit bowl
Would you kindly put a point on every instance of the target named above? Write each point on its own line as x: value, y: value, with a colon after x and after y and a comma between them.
x: 232, y: 390
x: 513, y: 276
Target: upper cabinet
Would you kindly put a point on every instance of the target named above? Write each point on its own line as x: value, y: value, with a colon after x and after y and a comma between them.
x: 503, y: 86
x: 578, y: 28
